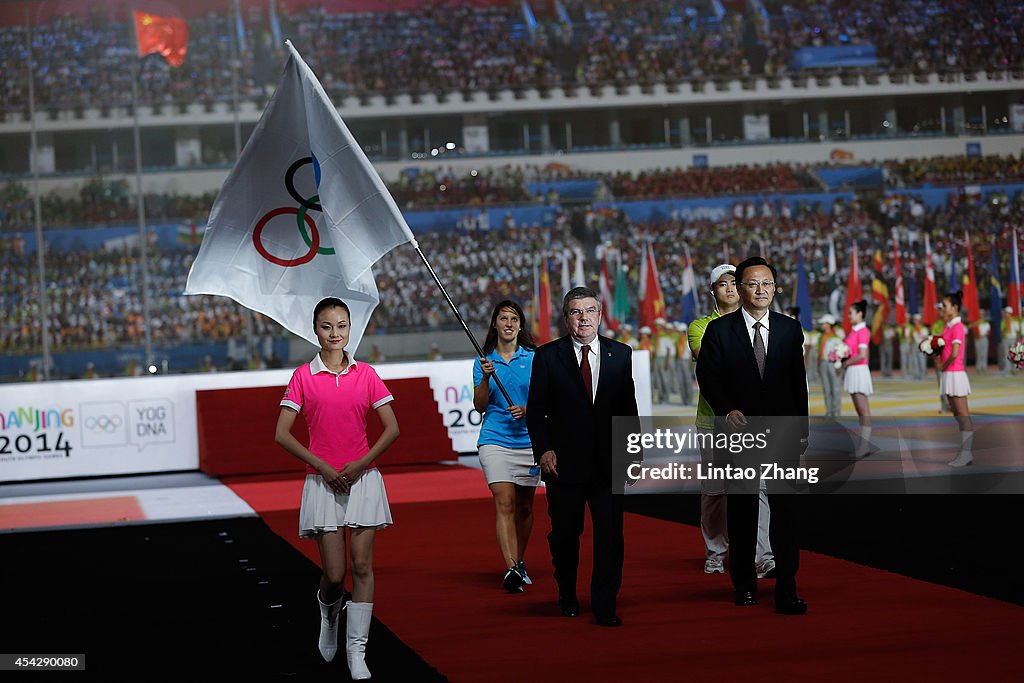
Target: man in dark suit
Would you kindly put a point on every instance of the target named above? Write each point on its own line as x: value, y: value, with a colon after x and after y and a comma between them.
x: 579, y: 383
x: 751, y: 371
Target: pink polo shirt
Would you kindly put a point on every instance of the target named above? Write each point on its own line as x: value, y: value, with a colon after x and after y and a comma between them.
x: 859, y: 336
x: 954, y: 332
x: 335, y: 408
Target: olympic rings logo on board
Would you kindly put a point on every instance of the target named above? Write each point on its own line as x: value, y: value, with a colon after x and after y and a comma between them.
x: 103, y: 423
x: 302, y: 218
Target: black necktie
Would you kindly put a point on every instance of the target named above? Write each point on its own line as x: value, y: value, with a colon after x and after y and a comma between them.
x: 588, y: 379
x: 759, y: 348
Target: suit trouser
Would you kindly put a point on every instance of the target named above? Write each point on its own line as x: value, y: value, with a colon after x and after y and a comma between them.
x: 742, y: 513
x: 713, y: 522
x: 566, y: 503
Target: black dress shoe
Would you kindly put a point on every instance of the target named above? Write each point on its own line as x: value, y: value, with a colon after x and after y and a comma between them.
x: 611, y: 620
x: 569, y: 607
x: 746, y: 598
x: 791, y: 606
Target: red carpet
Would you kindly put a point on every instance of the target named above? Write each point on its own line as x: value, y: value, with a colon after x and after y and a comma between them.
x: 438, y: 588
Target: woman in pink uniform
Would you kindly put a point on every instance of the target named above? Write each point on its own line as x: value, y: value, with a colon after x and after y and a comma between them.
x: 857, y: 380
x: 343, y: 489
x: 953, y: 380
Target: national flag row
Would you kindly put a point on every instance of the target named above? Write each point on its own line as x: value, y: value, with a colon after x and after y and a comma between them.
x: 904, y: 296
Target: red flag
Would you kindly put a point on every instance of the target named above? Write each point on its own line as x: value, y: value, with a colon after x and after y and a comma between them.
x: 880, y: 294
x: 543, y: 334
x: 652, y: 303
x: 929, y: 314
x: 854, y: 292
x: 901, y: 308
x: 607, y: 299
x: 970, y: 286
x: 167, y: 36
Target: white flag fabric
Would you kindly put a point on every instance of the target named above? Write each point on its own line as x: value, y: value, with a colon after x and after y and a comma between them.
x: 302, y: 215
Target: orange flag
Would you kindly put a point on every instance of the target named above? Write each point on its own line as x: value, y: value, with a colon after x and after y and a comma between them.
x: 167, y: 36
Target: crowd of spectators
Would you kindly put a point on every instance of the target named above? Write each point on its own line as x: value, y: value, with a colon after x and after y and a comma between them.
x: 923, y: 36
x: 447, y: 46
x: 705, y: 182
x: 111, y: 203
x: 957, y: 170
x: 95, y: 301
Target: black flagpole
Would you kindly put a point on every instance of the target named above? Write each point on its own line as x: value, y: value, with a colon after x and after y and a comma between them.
x: 458, y: 316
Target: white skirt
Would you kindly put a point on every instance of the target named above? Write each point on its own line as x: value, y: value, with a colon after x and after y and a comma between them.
x: 858, y: 380
x: 508, y: 464
x: 365, y: 505
x: 954, y: 383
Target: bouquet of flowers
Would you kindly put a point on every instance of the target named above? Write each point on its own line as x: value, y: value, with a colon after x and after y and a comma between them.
x: 1016, y: 353
x: 838, y: 353
x: 930, y: 345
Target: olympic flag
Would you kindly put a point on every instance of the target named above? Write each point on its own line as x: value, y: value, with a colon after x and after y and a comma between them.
x: 302, y: 215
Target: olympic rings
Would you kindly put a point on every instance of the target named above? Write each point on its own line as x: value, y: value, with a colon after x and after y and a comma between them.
x: 289, y: 183
x: 286, y: 263
x: 302, y: 219
x: 103, y: 422
x: 326, y: 251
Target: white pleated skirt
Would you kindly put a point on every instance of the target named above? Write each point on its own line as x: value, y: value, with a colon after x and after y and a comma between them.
x: 858, y: 380
x: 954, y: 383
x: 508, y: 464
x: 365, y: 505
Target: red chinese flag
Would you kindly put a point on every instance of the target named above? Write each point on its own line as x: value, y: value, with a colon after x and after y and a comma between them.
x: 652, y: 305
x: 167, y: 36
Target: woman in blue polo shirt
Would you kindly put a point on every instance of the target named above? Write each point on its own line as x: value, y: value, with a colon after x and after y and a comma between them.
x: 504, y: 445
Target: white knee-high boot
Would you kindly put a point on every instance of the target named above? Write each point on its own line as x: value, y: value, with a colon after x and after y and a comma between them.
x: 359, y: 616
x: 328, y: 627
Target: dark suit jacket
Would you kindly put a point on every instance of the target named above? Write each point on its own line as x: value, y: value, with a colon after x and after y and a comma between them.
x: 561, y: 418
x: 729, y: 380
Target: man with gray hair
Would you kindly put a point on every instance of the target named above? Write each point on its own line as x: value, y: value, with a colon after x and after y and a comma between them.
x: 579, y: 383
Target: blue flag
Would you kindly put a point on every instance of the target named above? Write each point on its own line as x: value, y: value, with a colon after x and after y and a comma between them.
x: 802, y: 296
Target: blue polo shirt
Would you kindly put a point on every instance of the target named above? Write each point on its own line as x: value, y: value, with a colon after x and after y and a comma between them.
x: 499, y: 428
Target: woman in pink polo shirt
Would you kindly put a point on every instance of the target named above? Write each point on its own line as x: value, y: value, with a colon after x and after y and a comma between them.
x: 953, y: 380
x: 857, y: 381
x: 343, y: 489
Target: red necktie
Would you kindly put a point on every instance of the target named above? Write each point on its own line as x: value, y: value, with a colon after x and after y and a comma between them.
x: 588, y: 379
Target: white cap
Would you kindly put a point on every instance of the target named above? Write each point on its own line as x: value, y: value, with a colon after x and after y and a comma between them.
x: 827, y: 319
x: 1008, y: 309
x: 721, y: 270
x: 645, y: 330
x: 659, y: 321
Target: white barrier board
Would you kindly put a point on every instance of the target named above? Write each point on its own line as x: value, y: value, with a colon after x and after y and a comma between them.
x: 132, y: 425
